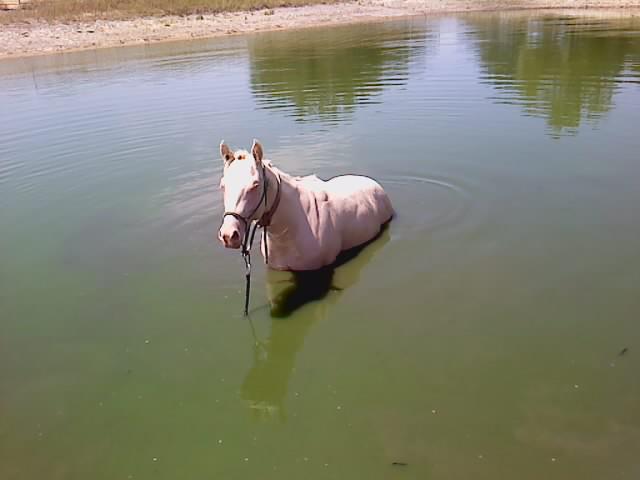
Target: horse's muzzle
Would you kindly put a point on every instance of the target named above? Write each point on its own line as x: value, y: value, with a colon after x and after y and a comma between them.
x: 230, y: 234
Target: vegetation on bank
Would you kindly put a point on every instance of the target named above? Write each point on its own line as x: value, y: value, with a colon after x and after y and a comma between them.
x: 69, y: 10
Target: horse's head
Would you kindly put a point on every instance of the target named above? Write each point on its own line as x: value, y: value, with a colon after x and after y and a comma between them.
x: 242, y: 188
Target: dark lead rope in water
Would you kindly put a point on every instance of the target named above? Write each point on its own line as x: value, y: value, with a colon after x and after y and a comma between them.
x: 248, y: 243
x: 246, y: 256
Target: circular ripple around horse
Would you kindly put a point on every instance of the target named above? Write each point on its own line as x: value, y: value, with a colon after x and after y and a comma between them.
x: 425, y: 205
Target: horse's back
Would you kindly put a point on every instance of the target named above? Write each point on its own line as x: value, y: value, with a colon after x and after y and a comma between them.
x: 347, y: 185
x: 361, y: 207
x: 363, y: 191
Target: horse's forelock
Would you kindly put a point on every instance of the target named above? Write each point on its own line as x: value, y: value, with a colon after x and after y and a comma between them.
x: 239, y: 168
x: 241, y: 155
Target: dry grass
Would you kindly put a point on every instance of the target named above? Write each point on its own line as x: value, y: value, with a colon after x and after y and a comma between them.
x: 70, y: 10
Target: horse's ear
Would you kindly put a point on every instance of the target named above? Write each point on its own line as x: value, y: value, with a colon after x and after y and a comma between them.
x: 256, y: 151
x: 226, y: 153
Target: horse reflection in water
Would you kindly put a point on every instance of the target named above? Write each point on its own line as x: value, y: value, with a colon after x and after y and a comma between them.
x: 265, y: 385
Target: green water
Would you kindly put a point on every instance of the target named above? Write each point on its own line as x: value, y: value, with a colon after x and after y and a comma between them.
x: 479, y: 337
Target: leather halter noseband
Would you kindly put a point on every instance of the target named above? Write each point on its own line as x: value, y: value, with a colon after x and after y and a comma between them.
x: 264, y: 221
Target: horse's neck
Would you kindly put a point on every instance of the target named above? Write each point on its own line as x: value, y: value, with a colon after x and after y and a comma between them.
x: 289, y: 217
x: 285, y: 216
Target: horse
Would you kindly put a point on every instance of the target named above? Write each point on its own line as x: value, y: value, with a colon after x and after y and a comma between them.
x: 307, y: 222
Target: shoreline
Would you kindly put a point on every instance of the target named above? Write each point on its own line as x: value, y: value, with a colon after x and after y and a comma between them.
x: 43, y: 38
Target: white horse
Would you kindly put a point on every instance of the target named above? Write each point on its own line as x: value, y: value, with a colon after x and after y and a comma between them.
x: 310, y: 221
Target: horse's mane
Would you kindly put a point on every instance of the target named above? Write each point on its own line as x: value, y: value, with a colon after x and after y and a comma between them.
x: 275, y: 169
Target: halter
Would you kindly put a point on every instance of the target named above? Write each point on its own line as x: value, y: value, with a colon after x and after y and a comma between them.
x: 264, y: 221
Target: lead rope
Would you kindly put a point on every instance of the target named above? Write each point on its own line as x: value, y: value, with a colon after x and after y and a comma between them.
x: 246, y: 256
x: 248, y: 243
x: 266, y: 247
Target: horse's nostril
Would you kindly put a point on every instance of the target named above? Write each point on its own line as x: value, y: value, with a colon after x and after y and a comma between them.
x: 235, y: 235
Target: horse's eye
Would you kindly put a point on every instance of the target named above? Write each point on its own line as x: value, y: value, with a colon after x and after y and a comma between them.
x: 254, y: 185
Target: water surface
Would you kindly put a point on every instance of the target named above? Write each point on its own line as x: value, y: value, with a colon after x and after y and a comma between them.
x: 479, y: 337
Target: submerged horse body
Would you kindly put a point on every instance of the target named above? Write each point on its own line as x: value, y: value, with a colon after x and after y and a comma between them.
x: 310, y: 221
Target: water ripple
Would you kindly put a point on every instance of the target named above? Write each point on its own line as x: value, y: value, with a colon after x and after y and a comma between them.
x: 426, y: 204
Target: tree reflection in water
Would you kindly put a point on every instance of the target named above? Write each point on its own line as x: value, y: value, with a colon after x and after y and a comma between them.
x: 323, y: 75
x: 565, y: 69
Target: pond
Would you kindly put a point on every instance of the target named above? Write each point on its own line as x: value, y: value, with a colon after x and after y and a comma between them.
x: 493, y: 331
